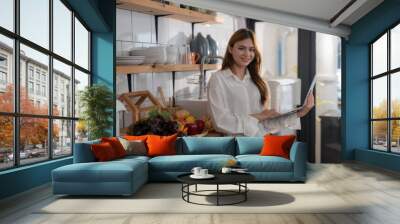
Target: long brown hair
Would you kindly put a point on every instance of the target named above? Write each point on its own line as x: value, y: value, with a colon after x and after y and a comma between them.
x: 254, y: 66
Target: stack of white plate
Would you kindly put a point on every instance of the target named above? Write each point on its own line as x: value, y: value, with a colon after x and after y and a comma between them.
x: 130, y: 60
x: 154, y: 55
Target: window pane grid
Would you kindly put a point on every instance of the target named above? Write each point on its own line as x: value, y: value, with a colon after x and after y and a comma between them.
x: 7, y: 14
x: 62, y: 138
x: 395, y: 47
x: 38, y: 132
x: 384, y: 94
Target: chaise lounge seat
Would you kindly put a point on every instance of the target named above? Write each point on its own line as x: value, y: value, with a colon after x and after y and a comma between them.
x: 118, y: 177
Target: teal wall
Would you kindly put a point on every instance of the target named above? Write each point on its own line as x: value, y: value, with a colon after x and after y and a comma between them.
x: 356, y: 85
x: 103, y: 54
x: 99, y: 16
x: 90, y: 12
x: 24, y: 178
x: 380, y: 159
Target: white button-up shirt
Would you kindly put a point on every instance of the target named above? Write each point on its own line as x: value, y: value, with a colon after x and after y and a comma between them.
x: 232, y: 100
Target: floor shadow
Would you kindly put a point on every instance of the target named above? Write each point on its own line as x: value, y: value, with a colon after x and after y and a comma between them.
x: 255, y: 198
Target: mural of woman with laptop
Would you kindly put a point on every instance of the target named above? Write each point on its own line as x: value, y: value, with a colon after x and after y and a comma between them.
x: 238, y: 98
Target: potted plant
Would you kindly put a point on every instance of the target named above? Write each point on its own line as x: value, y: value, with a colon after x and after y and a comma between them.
x: 96, y: 102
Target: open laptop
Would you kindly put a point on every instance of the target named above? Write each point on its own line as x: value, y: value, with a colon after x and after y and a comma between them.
x: 294, y: 110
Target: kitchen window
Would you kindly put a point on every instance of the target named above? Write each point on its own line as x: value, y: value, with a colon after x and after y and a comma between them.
x: 38, y: 89
x: 3, y: 71
x: 384, y: 92
x: 30, y: 87
x: 38, y: 75
x: 44, y: 91
x: 30, y: 72
x: 3, y: 78
x: 3, y: 61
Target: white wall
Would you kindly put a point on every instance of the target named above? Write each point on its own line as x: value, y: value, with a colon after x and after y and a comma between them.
x: 273, y: 38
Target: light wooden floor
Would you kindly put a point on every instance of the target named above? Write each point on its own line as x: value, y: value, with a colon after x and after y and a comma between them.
x: 379, y: 189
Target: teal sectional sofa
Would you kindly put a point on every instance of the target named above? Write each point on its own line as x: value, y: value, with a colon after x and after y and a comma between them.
x: 125, y: 176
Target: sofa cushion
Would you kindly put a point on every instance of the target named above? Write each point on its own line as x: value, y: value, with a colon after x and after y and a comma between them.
x: 93, y: 172
x: 249, y: 145
x: 83, y: 152
x: 112, y: 171
x: 206, y: 145
x: 132, y: 158
x: 257, y: 163
x: 185, y: 163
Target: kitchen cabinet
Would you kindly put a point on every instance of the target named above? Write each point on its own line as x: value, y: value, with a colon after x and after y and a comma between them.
x: 330, y: 139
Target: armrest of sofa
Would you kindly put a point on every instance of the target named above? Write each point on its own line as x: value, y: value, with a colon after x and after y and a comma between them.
x: 298, y: 155
x: 83, y: 152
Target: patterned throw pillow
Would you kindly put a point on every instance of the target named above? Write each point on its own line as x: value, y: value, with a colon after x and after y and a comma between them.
x: 134, y: 147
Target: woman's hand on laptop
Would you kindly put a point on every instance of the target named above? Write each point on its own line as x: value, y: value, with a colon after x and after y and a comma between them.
x: 266, y: 114
x: 307, y: 106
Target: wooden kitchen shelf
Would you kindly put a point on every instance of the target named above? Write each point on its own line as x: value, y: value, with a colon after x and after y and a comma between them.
x: 130, y: 69
x: 172, y: 11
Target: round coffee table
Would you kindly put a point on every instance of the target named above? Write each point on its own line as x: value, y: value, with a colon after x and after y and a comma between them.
x: 238, y: 179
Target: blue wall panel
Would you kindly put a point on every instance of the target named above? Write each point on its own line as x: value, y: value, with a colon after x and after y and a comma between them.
x: 356, y: 84
x: 377, y: 158
x: 103, y: 54
x: 24, y: 178
x: 103, y: 67
x: 90, y: 13
x: 102, y: 59
x: 356, y: 101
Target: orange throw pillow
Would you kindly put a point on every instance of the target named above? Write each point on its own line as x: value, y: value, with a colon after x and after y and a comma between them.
x: 103, y: 151
x: 277, y: 145
x: 135, y: 137
x: 116, y: 145
x: 161, y: 145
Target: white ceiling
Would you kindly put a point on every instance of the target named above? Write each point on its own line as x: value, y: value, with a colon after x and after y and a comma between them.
x: 321, y: 9
x: 306, y: 14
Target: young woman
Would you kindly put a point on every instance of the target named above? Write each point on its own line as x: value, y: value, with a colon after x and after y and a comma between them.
x: 238, y: 97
